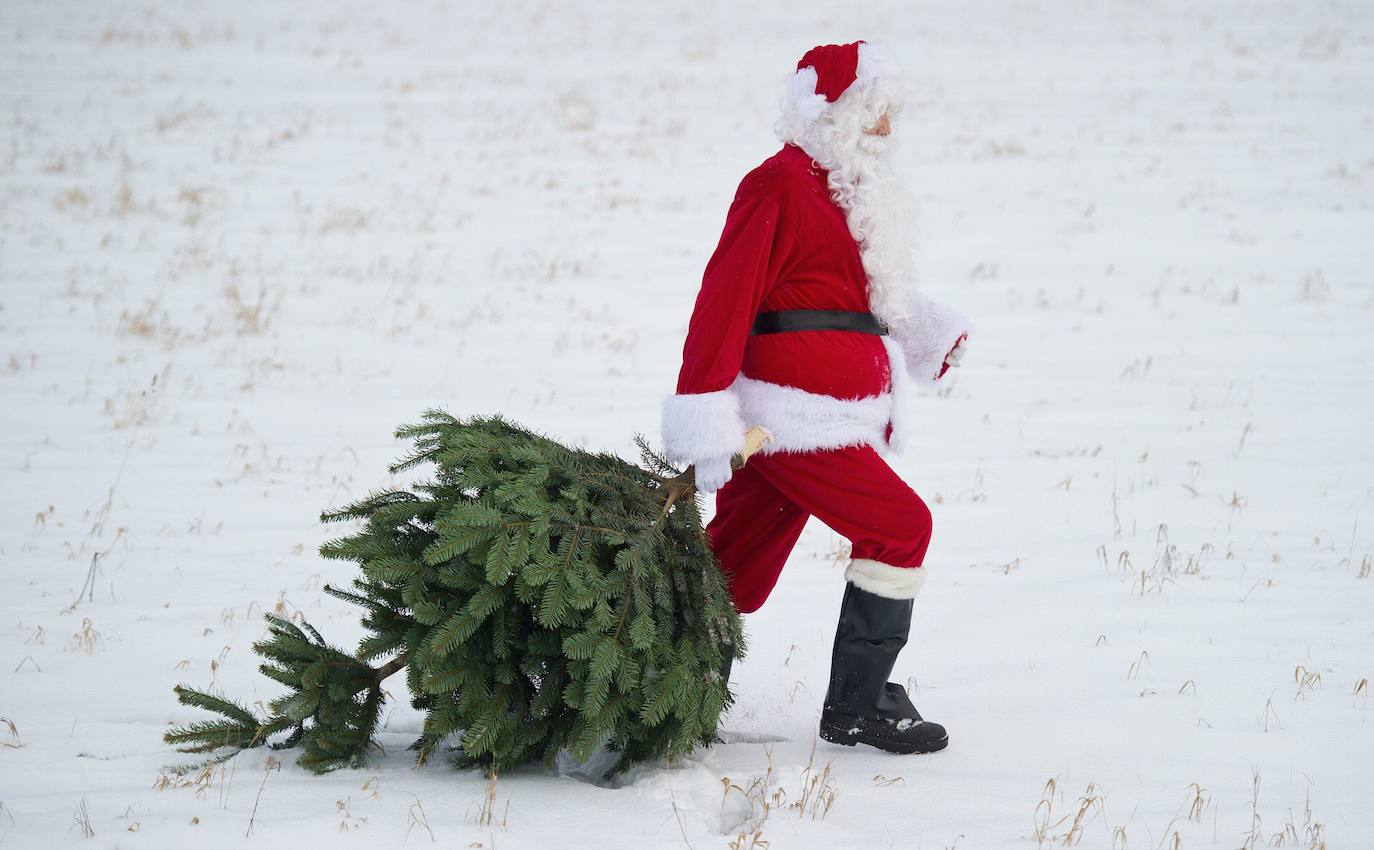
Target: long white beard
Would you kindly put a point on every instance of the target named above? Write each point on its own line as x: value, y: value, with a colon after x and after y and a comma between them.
x: 866, y: 184
x: 880, y: 212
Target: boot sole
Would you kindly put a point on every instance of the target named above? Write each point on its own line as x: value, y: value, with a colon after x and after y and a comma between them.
x: 838, y: 735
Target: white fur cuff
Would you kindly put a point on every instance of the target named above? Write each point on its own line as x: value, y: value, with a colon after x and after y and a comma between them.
x: 885, y: 579
x: 928, y: 335
x: 701, y: 425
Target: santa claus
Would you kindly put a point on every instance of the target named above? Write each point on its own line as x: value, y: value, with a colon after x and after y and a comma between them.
x: 806, y: 318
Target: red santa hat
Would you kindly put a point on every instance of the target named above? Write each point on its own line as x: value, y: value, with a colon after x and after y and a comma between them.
x: 827, y: 72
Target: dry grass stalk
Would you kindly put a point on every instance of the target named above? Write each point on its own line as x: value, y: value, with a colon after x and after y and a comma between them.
x: 415, y: 816
x: 677, y: 814
x: 1199, y: 802
x: 82, y: 818
x: 1306, y: 679
x: 755, y: 841
x: 756, y: 797
x: 84, y: 640
x: 486, y: 814
x: 818, y: 789
x: 374, y: 786
x: 347, y: 820
x: 763, y: 795
x: 14, y: 733
x: 1270, y: 714
x: 1089, y: 805
x: 1309, y: 835
x: 1253, y: 834
x: 271, y: 765
x: 200, y: 782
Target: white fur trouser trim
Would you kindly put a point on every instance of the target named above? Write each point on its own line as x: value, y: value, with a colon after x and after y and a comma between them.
x: 885, y: 579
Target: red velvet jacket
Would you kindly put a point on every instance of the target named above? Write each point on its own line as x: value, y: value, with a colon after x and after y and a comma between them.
x: 786, y: 246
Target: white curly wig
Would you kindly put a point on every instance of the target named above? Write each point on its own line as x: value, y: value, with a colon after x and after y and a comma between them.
x: 862, y: 178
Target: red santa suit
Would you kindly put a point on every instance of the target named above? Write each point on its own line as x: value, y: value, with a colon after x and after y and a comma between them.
x: 830, y: 398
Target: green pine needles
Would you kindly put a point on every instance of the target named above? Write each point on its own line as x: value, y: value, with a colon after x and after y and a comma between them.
x: 539, y: 598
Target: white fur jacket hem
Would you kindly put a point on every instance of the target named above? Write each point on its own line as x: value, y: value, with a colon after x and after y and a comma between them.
x: 712, y: 424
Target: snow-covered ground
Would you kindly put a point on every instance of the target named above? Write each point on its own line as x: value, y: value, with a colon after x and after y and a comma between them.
x: 241, y: 243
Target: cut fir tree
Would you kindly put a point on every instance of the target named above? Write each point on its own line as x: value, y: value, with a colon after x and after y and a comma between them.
x: 539, y: 599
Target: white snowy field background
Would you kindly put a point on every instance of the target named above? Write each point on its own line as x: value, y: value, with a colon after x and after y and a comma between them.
x: 241, y: 243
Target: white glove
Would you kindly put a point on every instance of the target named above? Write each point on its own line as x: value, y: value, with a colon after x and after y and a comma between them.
x: 957, y: 353
x: 712, y: 473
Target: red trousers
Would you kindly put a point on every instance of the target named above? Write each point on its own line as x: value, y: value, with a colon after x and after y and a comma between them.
x: 761, y: 510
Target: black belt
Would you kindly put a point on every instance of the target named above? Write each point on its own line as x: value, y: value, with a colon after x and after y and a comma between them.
x: 778, y: 321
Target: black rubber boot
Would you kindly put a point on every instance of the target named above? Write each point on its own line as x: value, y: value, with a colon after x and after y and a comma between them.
x: 862, y: 706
